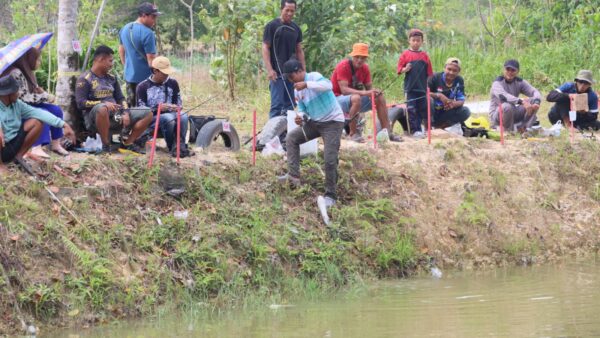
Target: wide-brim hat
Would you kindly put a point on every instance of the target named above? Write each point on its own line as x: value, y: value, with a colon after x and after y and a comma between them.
x: 8, y: 85
x: 360, y: 49
x: 585, y: 75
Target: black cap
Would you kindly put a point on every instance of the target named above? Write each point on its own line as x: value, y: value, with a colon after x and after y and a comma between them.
x: 514, y: 64
x: 291, y: 66
x: 148, y: 9
x: 8, y: 85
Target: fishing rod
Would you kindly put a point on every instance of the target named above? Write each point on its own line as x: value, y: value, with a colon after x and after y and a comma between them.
x: 202, y: 103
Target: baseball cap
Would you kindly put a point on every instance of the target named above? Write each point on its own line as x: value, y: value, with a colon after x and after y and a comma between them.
x: 415, y: 32
x: 163, y: 64
x: 291, y: 66
x: 8, y: 85
x: 514, y: 64
x: 454, y: 60
x: 148, y: 9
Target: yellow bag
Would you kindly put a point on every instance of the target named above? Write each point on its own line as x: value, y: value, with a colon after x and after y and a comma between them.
x: 478, y: 122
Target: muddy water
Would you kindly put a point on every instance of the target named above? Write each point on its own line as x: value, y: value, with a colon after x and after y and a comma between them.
x: 548, y: 301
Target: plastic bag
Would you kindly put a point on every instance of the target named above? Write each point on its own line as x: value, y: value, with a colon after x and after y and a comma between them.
x: 93, y: 144
x: 553, y: 131
x: 383, y: 136
x: 455, y: 129
x: 273, y: 147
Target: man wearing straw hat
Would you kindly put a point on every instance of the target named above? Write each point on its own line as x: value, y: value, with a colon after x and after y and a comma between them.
x: 353, y: 87
x: 585, y: 118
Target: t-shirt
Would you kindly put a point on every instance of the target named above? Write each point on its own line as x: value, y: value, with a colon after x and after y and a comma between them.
x: 12, y: 116
x: 150, y: 94
x: 343, y: 72
x: 318, y: 100
x: 437, y: 84
x: 571, y: 88
x: 282, y: 40
x: 416, y: 79
x: 138, y: 41
x: 91, y: 90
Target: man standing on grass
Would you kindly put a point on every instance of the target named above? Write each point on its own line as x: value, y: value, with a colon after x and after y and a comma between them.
x: 561, y: 95
x: 448, y: 92
x: 320, y: 116
x: 137, y: 48
x: 519, y: 114
x: 282, y: 40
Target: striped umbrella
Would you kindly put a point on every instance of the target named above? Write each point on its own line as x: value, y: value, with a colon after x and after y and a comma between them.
x: 14, y: 50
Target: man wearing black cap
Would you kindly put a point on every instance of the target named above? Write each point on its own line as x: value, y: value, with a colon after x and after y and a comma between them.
x: 16, y: 136
x: 585, y: 118
x: 519, y: 114
x: 137, y: 48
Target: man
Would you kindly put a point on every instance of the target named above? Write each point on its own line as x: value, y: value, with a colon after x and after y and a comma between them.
x: 324, y: 119
x: 353, y: 87
x: 561, y: 95
x: 448, y: 93
x: 519, y: 114
x: 161, y: 88
x: 98, y: 95
x: 137, y: 48
x: 282, y: 40
x: 21, y: 124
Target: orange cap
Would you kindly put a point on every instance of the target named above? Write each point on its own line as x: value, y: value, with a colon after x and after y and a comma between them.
x: 360, y: 49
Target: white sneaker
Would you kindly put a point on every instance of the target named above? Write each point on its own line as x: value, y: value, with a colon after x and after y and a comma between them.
x: 325, y: 203
x: 418, y: 135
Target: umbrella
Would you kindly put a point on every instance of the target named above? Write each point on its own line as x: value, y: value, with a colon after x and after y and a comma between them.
x: 14, y: 50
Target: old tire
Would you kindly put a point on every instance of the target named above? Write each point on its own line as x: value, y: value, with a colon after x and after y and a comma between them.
x: 213, y: 131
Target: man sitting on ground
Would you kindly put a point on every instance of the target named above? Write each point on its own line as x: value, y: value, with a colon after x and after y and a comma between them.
x: 519, y: 114
x: 161, y: 88
x: 325, y: 119
x: 21, y: 124
x: 99, y: 96
x: 353, y: 87
x: 448, y: 92
x: 560, y: 111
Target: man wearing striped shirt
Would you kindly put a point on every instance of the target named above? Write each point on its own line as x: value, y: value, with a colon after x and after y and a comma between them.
x: 320, y: 115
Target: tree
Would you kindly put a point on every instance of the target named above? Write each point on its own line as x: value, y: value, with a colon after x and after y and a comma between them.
x: 68, y: 59
x: 190, y: 8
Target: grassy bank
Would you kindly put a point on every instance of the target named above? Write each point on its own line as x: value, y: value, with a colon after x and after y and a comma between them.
x: 126, y: 251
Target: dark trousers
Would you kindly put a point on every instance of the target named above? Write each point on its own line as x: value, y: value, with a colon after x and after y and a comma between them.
x: 417, y: 110
x: 560, y: 111
x: 281, y: 99
x: 447, y: 118
x: 48, y: 132
x: 331, y: 132
x: 131, y: 94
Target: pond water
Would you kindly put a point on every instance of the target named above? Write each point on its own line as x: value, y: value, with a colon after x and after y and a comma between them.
x: 547, y: 301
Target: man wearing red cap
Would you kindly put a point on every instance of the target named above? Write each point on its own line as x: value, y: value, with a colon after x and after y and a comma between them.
x: 353, y: 87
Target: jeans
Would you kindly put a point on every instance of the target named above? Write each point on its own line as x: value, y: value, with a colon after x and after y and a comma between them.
x: 168, y: 128
x: 281, y: 99
x: 417, y: 110
x: 47, y: 131
x: 331, y: 132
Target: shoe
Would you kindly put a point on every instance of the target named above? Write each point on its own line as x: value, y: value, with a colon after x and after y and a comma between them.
x: 396, y: 138
x: 324, y: 203
x: 133, y: 147
x: 357, y: 138
x: 418, y: 135
x: 291, y: 180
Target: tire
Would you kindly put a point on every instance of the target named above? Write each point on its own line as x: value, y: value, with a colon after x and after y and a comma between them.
x: 212, y: 130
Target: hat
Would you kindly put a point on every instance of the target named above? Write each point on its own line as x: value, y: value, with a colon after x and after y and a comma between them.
x: 8, y: 85
x: 291, y: 66
x: 360, y: 49
x: 163, y: 64
x: 148, y: 9
x: 415, y: 32
x: 514, y: 64
x: 453, y: 60
x: 585, y: 75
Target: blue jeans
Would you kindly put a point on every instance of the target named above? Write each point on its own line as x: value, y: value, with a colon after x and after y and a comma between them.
x: 168, y: 128
x: 47, y: 131
x: 281, y: 100
x: 417, y: 110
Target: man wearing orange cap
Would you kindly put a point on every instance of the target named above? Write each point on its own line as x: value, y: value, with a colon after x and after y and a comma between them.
x: 353, y: 87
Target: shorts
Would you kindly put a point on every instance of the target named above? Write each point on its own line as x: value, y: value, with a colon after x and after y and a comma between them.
x: 344, y: 101
x: 11, y: 148
x: 116, y: 123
